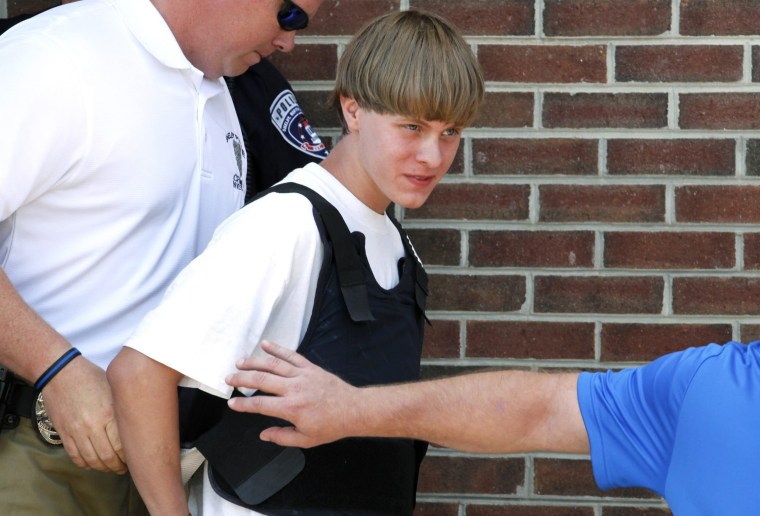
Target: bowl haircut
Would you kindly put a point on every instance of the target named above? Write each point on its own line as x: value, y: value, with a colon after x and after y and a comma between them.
x: 412, y: 64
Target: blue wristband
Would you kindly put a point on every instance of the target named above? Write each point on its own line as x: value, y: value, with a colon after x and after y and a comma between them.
x: 56, y: 368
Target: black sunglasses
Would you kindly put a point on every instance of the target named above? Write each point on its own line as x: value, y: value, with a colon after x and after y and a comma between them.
x: 292, y: 17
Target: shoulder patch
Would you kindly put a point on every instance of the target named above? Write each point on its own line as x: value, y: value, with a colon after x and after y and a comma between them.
x: 288, y: 118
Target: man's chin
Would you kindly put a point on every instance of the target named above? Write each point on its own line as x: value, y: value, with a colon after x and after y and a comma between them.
x: 241, y: 65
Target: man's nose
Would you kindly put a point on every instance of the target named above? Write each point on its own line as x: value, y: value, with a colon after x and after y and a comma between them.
x: 285, y: 40
x: 430, y: 152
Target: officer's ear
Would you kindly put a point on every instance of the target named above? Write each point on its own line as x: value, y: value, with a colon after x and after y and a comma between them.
x: 351, y: 113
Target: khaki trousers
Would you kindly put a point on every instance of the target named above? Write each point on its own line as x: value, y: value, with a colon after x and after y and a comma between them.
x: 37, y: 479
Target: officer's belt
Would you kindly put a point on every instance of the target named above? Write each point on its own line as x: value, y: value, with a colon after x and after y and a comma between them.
x: 16, y: 398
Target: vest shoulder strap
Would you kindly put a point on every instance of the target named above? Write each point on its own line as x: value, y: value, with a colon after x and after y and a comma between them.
x: 347, y: 260
x: 421, y: 290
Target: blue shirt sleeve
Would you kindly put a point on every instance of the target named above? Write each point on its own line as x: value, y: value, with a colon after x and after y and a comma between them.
x: 631, y: 417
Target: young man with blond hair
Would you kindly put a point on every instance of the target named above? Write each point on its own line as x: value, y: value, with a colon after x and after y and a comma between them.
x: 350, y: 296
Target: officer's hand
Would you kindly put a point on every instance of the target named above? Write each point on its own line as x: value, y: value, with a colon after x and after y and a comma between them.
x: 79, y: 403
x: 315, y: 401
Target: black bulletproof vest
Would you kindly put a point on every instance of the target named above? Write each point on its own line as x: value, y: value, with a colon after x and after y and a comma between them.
x: 367, y: 336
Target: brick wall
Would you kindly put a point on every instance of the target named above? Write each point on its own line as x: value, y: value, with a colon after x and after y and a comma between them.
x: 602, y: 209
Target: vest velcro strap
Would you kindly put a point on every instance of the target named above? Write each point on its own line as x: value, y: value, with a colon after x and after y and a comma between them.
x: 354, y: 297
x: 267, y: 467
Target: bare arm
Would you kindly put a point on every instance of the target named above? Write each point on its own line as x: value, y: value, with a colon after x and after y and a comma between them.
x: 78, y: 398
x: 145, y: 393
x: 488, y: 412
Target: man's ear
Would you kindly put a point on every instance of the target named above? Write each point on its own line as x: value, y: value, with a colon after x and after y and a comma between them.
x: 351, y: 110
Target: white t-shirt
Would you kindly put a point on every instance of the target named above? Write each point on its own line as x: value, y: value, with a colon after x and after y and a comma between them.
x: 118, y: 159
x: 256, y: 280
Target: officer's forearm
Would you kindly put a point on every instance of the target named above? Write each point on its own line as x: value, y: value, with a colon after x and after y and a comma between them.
x: 28, y: 345
x: 490, y: 412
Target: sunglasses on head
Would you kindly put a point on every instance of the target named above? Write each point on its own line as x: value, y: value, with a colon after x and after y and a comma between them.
x: 292, y: 17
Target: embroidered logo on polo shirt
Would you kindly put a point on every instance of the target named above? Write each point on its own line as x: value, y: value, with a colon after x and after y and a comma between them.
x: 237, y: 147
x: 288, y: 118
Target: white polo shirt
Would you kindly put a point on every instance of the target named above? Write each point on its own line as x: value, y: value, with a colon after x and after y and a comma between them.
x: 118, y: 159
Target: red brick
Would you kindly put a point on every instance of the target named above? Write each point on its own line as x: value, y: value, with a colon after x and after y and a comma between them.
x: 750, y: 332
x: 645, y: 342
x: 531, y: 248
x: 441, y: 339
x: 574, y: 203
x: 698, y: 157
x: 457, y: 167
x: 436, y: 509
x: 716, y: 296
x: 679, y: 63
x: 606, y: 17
x: 505, y: 109
x: 16, y: 7
x: 437, y: 246
x: 547, y: 63
x: 624, y: 110
x: 476, y: 293
x: 475, y: 202
x: 341, y: 18
x: 753, y: 157
x: 524, y: 339
x: 594, y: 294
x: 669, y: 250
x: 308, y: 63
x: 572, y: 477
x: 720, y: 17
x: 724, y: 204
x: 471, y: 475
x: 615, y: 510
x: 528, y: 510
x: 752, y: 251
x: 484, y: 17
x: 514, y: 156
x: 719, y: 111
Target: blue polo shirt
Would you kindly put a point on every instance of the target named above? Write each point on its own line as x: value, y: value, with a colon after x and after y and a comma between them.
x: 686, y: 426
